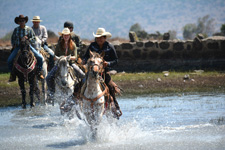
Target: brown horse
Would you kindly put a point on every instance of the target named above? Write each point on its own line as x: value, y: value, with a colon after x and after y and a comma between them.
x: 25, y: 70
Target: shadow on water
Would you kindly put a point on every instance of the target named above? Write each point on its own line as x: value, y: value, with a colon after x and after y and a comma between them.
x: 68, y: 144
x: 44, y: 126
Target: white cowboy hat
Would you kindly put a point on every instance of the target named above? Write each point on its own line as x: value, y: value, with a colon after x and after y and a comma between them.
x: 101, y: 32
x: 65, y: 31
x: 36, y: 19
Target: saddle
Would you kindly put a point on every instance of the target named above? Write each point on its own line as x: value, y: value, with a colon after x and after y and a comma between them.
x: 44, y: 54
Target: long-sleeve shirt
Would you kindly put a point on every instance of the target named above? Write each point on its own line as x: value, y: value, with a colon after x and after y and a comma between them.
x: 41, y: 33
x: 59, y: 51
x: 19, y: 33
x: 110, y: 53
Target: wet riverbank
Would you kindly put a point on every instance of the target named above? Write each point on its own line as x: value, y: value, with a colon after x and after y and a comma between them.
x: 172, y: 83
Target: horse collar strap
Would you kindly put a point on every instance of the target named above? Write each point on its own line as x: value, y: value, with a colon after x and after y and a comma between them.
x: 92, y: 100
x: 24, y: 70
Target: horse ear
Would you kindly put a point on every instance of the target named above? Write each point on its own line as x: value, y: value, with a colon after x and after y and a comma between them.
x: 90, y: 53
x: 102, y: 54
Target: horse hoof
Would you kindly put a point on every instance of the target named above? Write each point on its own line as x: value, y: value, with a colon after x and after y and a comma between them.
x: 24, y: 106
x: 32, y: 105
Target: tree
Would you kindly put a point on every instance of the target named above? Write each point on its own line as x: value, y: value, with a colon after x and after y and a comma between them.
x: 136, y: 27
x: 222, y: 29
x: 204, y: 25
x: 189, y: 31
x: 173, y: 34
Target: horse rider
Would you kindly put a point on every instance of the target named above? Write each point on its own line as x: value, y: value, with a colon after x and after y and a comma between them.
x: 42, y: 35
x: 76, y: 39
x: 110, y: 59
x: 64, y: 47
x: 20, y: 34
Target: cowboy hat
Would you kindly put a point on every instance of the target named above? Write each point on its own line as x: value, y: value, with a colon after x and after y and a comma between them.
x: 101, y: 32
x: 65, y: 31
x: 16, y: 20
x: 36, y: 19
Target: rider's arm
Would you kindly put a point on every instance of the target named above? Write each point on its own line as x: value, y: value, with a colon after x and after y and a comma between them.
x: 86, y: 55
x: 31, y: 34
x: 13, y: 39
x: 113, y: 57
x: 45, y: 34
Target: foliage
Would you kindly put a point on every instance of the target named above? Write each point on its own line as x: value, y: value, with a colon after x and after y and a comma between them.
x: 222, y: 29
x: 142, y: 34
x: 136, y: 27
x: 173, y: 34
x: 189, y: 31
x: 205, y: 26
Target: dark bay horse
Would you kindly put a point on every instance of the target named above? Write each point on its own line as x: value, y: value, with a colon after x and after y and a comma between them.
x: 25, y: 70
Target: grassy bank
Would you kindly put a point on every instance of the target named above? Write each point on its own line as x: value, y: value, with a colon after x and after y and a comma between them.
x: 137, y: 84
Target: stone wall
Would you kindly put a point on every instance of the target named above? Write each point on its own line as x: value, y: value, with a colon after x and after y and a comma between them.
x: 162, y: 55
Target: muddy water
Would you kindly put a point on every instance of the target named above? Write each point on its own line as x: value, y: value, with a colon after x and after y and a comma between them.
x: 149, y: 122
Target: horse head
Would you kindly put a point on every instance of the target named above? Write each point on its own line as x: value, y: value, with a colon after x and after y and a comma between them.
x: 95, y: 63
x: 63, y: 65
x: 26, y: 57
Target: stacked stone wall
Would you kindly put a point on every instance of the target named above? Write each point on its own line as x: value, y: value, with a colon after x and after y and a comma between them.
x: 161, y: 55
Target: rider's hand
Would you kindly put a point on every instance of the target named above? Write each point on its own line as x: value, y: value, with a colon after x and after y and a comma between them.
x: 105, y: 64
x: 24, y: 38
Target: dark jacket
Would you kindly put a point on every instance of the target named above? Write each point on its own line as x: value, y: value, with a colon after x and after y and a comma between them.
x: 110, y: 53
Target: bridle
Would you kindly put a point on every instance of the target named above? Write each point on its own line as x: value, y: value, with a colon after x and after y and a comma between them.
x: 59, y: 77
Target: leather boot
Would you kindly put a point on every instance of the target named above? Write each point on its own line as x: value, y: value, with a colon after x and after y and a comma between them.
x: 116, y: 88
x: 12, y: 76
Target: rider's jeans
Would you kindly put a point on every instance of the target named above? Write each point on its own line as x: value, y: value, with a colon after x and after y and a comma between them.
x: 78, y: 71
x: 50, y: 79
x: 14, y: 53
x: 51, y: 53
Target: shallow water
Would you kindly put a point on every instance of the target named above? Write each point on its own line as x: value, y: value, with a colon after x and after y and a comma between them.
x: 152, y: 122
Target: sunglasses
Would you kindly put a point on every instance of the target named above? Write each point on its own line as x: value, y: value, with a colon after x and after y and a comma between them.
x: 22, y: 20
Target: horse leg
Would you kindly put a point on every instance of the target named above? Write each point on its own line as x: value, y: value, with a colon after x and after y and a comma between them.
x: 32, y: 83
x: 23, y: 92
x: 44, y: 93
x: 36, y: 88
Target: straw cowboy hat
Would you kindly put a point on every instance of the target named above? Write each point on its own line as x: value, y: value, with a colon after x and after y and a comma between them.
x: 101, y: 32
x: 36, y: 19
x: 65, y: 31
x: 16, y: 20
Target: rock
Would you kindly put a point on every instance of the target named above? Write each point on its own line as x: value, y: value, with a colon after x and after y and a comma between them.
x: 133, y: 36
x: 166, y: 36
x: 112, y: 72
x: 186, y: 77
x: 166, y: 73
x: 159, y: 80
x: 141, y: 86
x: 198, y: 71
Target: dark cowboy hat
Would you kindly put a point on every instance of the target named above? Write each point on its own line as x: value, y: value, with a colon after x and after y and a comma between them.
x: 20, y: 17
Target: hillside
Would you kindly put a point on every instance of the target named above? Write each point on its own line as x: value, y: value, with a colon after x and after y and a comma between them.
x: 116, y: 16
